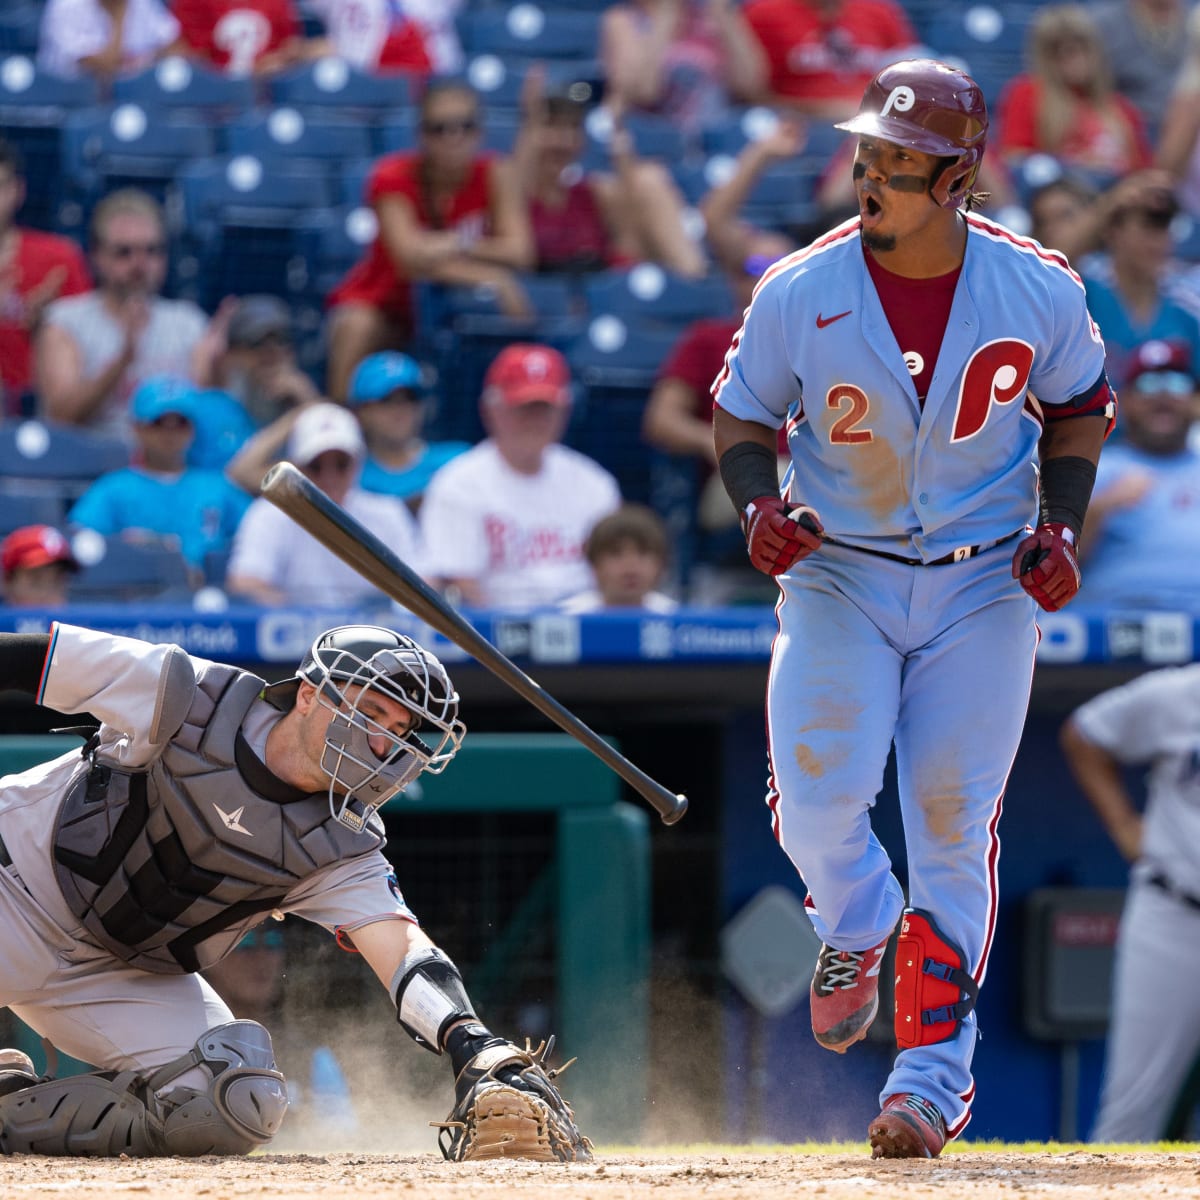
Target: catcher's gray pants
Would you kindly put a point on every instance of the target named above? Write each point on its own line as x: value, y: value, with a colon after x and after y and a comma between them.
x: 1155, y: 1032
x: 90, y: 1004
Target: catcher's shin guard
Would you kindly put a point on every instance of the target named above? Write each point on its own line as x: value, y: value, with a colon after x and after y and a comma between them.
x: 933, y: 990
x: 106, y: 1114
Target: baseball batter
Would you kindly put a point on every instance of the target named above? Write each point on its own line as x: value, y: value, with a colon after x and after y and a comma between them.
x: 925, y: 361
x: 1155, y: 1036
x: 204, y: 801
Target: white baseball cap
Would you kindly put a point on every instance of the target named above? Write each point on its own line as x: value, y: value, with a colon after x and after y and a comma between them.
x: 324, y: 427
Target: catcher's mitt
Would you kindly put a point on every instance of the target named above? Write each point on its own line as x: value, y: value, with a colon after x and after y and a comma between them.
x: 507, y: 1107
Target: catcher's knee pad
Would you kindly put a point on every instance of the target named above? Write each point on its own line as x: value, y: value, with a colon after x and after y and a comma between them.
x: 430, y: 997
x: 105, y: 1114
x: 933, y: 991
x: 244, y: 1103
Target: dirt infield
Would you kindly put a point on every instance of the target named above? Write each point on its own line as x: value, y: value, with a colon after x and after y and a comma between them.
x: 1074, y: 1175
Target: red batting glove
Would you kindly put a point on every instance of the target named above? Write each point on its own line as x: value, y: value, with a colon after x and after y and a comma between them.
x: 1046, y: 566
x: 774, y: 539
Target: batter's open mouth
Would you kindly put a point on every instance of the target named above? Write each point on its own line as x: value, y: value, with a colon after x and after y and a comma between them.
x: 871, y: 206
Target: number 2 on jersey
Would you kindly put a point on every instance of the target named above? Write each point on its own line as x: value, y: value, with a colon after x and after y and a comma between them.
x: 856, y: 405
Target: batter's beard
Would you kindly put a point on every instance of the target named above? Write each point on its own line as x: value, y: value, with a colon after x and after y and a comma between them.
x: 881, y: 243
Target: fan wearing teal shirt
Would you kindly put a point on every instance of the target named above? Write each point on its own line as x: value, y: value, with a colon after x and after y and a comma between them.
x: 389, y: 397
x: 160, y: 495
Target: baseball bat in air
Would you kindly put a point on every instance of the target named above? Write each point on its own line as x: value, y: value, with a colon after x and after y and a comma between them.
x: 288, y: 489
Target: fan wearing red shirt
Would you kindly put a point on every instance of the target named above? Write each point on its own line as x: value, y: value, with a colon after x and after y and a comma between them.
x: 242, y: 37
x: 35, y: 268
x: 679, y: 414
x: 822, y: 53
x: 447, y: 214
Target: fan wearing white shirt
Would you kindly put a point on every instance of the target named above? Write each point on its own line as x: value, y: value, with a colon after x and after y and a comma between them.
x: 504, y: 524
x: 105, y: 37
x: 275, y: 562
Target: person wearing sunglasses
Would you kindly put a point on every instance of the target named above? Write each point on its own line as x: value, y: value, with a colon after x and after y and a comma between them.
x: 159, y: 497
x: 275, y: 562
x: 1141, y: 543
x: 92, y: 350
x: 449, y: 214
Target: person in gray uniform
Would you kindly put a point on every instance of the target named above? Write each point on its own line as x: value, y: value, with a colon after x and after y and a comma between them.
x: 205, y: 801
x: 1153, y: 721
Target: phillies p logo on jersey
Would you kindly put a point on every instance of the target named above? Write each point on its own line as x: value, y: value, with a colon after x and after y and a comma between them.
x: 996, y: 374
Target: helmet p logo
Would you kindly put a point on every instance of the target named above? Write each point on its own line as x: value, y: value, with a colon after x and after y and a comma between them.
x: 899, y: 98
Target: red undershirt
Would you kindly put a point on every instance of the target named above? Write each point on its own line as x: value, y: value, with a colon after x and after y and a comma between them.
x: 917, y: 310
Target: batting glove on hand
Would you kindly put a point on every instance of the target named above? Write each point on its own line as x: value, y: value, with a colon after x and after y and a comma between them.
x: 774, y: 539
x: 1046, y: 566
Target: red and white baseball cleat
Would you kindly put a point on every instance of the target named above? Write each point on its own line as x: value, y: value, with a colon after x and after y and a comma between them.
x: 909, y: 1127
x: 844, y: 996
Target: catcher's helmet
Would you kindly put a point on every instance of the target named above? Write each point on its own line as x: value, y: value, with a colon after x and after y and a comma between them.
x: 933, y: 107
x: 390, y: 665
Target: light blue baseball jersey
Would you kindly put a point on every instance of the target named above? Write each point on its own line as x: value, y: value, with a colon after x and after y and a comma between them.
x: 882, y: 471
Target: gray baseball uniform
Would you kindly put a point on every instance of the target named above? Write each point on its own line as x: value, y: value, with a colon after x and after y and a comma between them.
x: 1155, y: 1035
x: 114, y: 894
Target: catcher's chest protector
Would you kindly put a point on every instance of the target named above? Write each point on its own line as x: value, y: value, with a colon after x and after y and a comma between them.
x: 166, y: 866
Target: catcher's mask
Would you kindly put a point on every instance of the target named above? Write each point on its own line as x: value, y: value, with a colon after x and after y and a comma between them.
x: 389, y: 664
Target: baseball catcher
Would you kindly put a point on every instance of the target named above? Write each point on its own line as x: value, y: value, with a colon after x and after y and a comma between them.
x: 204, y: 801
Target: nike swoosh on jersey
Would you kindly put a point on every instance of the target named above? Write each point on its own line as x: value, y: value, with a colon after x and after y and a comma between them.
x: 823, y: 321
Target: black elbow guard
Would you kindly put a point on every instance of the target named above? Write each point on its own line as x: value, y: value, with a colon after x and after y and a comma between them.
x: 430, y: 997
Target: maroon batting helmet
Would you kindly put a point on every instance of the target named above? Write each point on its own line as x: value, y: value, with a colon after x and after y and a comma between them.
x: 933, y: 107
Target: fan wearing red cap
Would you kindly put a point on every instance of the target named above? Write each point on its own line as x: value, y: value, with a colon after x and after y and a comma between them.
x: 37, y: 563
x: 504, y: 524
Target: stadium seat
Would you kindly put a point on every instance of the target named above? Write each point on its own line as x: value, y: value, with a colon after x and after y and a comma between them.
x: 177, y: 82
x: 615, y: 366
x: 499, y: 80
x: 988, y: 40
x: 729, y: 135
x: 19, y: 27
x: 653, y: 137
x: 117, y: 570
x: 123, y: 145
x: 61, y: 457
x: 648, y: 296
x: 529, y: 31
x: 19, y: 508
x: 351, y: 181
x: 283, y: 135
x: 332, y: 83
x: 33, y: 107
x: 331, y: 241
x: 241, y: 220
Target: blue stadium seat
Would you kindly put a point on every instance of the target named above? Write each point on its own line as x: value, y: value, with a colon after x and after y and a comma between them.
x: 18, y: 508
x: 646, y: 295
x: 33, y: 107
x: 352, y: 181
x: 988, y: 40
x: 331, y: 241
x: 117, y: 570
x: 499, y: 80
x: 729, y: 135
x: 123, y: 145
x: 57, y: 461
x: 332, y: 83
x: 615, y: 366
x: 19, y: 27
x: 653, y: 137
x: 286, y: 134
x: 179, y: 83
x: 241, y: 220
x: 530, y: 31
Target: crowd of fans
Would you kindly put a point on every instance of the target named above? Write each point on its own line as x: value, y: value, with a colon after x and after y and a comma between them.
x: 1095, y: 150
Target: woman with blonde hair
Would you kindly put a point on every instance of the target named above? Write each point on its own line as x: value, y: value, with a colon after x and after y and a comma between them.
x: 1179, y: 141
x: 1066, y: 105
